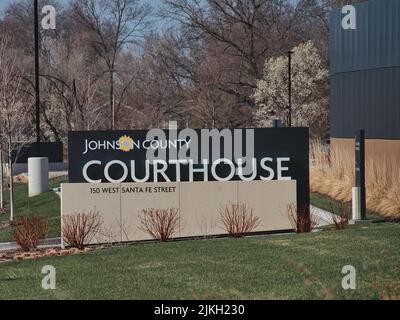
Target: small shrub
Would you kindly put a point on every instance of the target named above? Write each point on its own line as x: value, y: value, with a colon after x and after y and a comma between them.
x: 303, y: 218
x: 161, y: 224
x: 238, y: 220
x: 340, y: 215
x: 28, y: 231
x: 79, y: 229
x: 394, y: 219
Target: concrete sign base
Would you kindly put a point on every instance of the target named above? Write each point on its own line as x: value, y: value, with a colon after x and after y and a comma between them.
x: 199, y: 204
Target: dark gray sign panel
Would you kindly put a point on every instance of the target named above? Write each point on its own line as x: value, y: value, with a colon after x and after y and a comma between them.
x: 123, y: 156
x: 52, y: 150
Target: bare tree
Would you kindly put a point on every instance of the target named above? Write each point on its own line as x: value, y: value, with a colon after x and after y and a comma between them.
x: 201, y: 70
x: 242, y: 32
x: 114, y: 25
x: 157, y: 91
x: 2, y: 199
x: 14, y: 114
x: 69, y: 91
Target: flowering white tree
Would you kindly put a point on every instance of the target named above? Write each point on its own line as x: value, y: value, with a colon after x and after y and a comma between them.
x: 309, y: 95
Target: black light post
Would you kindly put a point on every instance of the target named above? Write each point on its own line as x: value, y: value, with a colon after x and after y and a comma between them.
x: 37, y: 88
x: 276, y: 123
x: 360, y: 172
x: 290, y: 88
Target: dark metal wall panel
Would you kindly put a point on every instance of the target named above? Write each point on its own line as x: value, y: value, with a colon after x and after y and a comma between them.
x: 365, y: 72
x: 366, y: 99
x: 374, y: 44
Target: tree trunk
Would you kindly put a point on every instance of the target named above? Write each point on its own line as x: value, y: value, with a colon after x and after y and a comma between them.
x: 10, y: 164
x: 2, y: 201
x: 112, y: 99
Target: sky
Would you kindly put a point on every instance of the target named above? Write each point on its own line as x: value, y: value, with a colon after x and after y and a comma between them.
x: 5, y: 3
x: 155, y: 3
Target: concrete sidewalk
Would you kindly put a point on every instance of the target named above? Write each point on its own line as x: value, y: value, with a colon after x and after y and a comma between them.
x: 46, y: 243
x: 324, y: 217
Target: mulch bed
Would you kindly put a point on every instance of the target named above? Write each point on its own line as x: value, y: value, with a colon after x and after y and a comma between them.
x: 15, y: 255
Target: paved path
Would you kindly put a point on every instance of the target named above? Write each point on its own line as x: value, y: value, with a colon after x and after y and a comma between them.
x: 52, y: 174
x: 325, y: 217
x: 46, y: 243
x: 57, y: 191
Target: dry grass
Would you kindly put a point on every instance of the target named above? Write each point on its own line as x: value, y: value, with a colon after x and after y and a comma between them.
x: 332, y: 174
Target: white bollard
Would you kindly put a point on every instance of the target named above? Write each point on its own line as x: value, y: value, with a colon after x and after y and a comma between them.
x: 356, y: 212
x: 38, y: 176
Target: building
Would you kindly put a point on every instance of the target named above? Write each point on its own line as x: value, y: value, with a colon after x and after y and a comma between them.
x: 365, y: 79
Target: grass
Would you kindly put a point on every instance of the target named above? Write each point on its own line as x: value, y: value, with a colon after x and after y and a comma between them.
x: 46, y: 205
x: 324, y: 202
x: 305, y: 266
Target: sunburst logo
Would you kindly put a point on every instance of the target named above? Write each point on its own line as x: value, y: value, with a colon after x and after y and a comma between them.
x: 125, y: 143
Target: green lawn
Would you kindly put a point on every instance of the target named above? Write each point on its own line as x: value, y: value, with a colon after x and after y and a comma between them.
x: 324, y: 202
x: 306, y: 266
x: 46, y: 205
